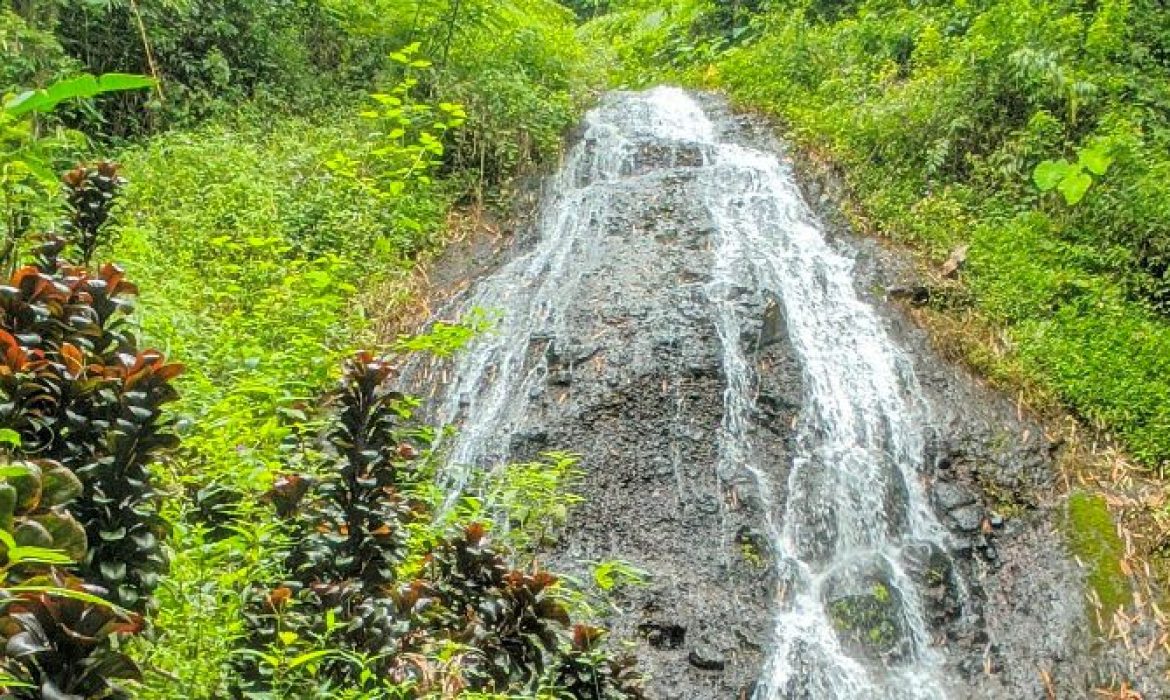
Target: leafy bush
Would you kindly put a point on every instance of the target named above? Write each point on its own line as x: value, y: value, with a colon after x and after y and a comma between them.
x: 58, y: 643
x: 424, y: 605
x: 90, y: 194
x: 31, y: 145
x: 78, y: 396
x: 77, y: 390
x: 31, y: 56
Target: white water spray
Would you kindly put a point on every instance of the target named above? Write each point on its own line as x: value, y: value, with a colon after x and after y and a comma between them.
x: 854, y: 501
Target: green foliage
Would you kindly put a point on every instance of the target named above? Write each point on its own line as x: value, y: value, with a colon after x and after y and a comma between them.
x: 612, y: 574
x: 1072, y: 180
x: 90, y: 194
x: 870, y: 621
x: 535, y: 498
x: 29, y: 56
x: 77, y: 389
x: 82, y: 87
x: 422, y: 601
x: 1093, y: 538
x: 28, y: 155
x: 404, y: 143
x: 211, y: 54
x: 250, y: 251
x: 67, y: 371
x: 358, y: 526
x: 588, y: 672
x: 251, y: 238
x: 512, y: 64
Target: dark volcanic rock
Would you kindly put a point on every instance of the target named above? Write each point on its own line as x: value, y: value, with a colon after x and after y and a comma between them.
x: 630, y: 378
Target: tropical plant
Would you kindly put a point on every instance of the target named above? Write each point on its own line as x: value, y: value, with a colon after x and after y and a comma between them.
x: 28, y: 154
x: 357, y: 529
x: 58, y: 642
x: 381, y: 586
x: 90, y: 194
x: 1072, y: 180
x: 587, y: 671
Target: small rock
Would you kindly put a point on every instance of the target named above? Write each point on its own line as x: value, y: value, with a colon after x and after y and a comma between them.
x: 707, y: 658
x: 967, y: 518
x: 949, y: 496
x: 917, y: 295
x: 954, y: 263
x: 663, y: 635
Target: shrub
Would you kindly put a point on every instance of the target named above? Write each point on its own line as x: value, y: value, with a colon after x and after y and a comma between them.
x: 425, y: 605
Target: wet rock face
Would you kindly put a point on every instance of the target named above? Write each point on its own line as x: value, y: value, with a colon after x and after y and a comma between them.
x: 630, y: 378
x: 635, y: 387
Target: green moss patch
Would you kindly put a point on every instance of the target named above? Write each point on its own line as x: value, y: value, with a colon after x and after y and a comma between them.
x: 1093, y: 538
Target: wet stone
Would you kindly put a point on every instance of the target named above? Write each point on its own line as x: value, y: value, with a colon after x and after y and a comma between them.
x: 707, y: 658
x: 665, y: 635
x: 948, y: 496
x: 966, y: 518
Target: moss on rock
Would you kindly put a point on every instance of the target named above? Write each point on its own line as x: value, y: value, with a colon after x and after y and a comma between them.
x: 1092, y: 537
x: 870, y: 622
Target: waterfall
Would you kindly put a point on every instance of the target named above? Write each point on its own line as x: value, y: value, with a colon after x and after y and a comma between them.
x: 533, y: 290
x: 855, y: 500
x: 849, y: 620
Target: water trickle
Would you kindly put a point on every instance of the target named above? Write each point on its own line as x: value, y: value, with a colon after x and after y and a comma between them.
x: 850, y: 620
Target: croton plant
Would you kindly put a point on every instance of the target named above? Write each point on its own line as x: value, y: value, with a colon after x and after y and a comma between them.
x: 439, y: 615
x: 82, y: 413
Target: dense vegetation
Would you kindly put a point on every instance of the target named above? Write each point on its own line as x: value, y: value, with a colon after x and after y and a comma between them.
x: 1034, y: 131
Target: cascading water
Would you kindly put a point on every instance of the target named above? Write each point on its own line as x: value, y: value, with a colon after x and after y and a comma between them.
x: 854, y: 496
x: 850, y: 622
x: 533, y: 290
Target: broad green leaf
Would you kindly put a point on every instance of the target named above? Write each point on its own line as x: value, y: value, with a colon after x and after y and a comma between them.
x: 60, y: 486
x: 39, y: 555
x: 9, y: 437
x: 117, y: 82
x: 7, y: 507
x: 57, y: 592
x: 1075, y: 186
x: 1095, y: 160
x: 28, y: 486
x: 309, y: 657
x: 9, y: 681
x: 68, y: 534
x: 1050, y: 173
x: 80, y: 87
x: 29, y: 533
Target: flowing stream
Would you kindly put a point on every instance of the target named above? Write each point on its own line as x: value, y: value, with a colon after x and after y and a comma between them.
x: 848, y: 517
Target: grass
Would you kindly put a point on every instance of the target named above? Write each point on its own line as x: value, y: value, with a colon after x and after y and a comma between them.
x: 249, y: 252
